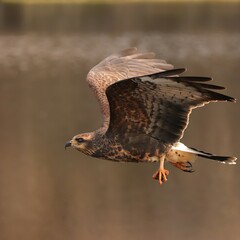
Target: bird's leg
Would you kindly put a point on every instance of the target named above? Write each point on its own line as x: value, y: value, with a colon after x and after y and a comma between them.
x: 161, y: 174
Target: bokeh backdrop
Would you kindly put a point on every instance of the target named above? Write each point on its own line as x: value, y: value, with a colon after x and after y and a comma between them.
x: 52, y: 194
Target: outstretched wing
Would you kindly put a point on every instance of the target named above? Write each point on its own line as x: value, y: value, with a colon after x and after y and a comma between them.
x: 123, y: 65
x: 157, y: 105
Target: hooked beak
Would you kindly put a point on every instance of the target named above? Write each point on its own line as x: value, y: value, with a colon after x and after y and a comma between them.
x: 68, y: 144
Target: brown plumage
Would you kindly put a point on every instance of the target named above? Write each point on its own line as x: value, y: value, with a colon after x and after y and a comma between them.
x: 146, y: 108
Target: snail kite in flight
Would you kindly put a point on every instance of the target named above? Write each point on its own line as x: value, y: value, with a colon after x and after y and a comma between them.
x: 146, y: 107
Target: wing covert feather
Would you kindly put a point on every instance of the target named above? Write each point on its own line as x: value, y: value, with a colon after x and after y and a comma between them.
x: 158, y: 107
x: 126, y: 64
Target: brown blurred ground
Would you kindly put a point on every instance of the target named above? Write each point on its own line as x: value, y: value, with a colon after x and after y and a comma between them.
x: 49, y: 193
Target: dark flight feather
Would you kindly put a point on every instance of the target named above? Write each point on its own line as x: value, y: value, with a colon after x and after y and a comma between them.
x: 156, y: 106
x: 193, y: 79
x: 167, y: 73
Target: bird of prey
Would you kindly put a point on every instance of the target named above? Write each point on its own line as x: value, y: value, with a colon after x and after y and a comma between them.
x: 146, y: 107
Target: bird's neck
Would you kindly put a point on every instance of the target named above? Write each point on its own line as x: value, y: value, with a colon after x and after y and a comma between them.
x: 101, y: 145
x: 95, y: 145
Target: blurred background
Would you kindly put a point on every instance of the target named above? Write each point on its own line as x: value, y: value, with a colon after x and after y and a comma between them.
x: 48, y: 193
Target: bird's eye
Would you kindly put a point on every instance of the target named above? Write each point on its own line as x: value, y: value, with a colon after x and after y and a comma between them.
x: 79, y: 140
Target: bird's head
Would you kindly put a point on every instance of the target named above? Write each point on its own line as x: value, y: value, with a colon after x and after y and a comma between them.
x: 82, y: 142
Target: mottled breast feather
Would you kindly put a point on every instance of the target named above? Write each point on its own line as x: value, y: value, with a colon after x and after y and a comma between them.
x: 157, y: 105
x: 123, y: 65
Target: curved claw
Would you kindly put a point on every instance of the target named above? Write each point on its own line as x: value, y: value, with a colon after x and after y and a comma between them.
x: 184, y: 166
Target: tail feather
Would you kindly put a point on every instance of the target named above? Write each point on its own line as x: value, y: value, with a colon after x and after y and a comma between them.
x: 222, y: 159
x: 192, y: 153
